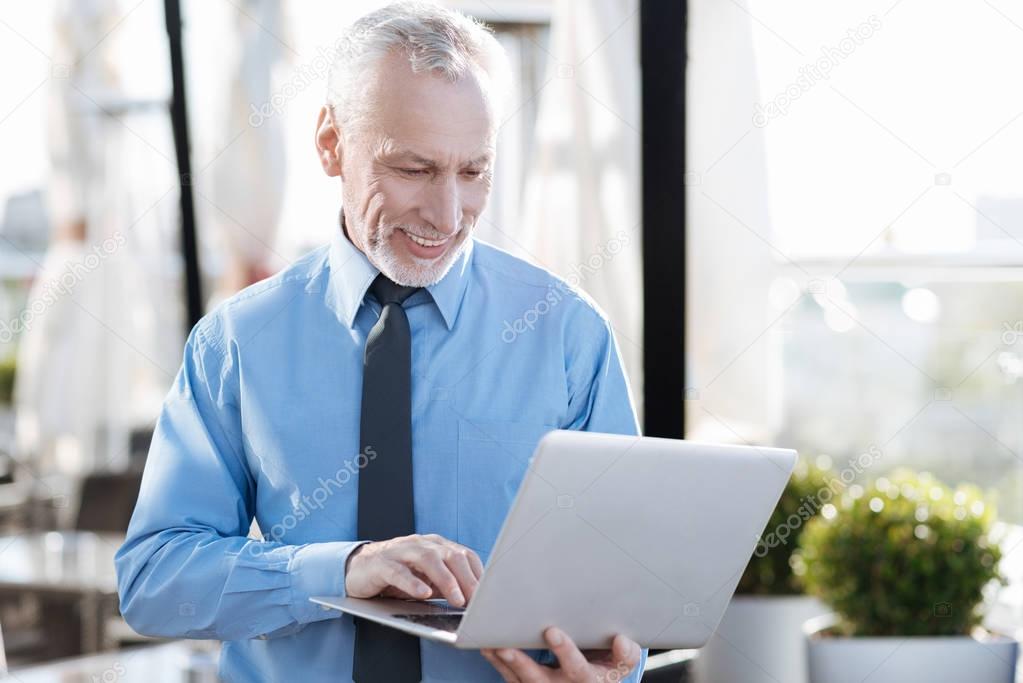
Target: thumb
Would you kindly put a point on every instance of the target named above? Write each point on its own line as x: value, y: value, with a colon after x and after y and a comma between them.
x: 624, y: 650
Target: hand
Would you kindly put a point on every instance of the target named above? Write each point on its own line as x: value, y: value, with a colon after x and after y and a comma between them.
x: 416, y: 567
x: 605, y: 666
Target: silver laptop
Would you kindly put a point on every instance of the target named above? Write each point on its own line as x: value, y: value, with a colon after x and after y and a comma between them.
x: 610, y: 534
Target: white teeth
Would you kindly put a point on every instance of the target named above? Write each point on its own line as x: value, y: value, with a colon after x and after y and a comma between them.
x: 423, y: 242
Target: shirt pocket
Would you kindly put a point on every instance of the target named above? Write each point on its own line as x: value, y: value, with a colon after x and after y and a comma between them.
x: 493, y: 457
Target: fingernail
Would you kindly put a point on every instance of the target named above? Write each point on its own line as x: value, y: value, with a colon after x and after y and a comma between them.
x: 459, y: 598
x: 505, y: 656
x: 554, y: 637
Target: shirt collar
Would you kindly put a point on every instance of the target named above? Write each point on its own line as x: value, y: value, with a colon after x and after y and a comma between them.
x: 351, y: 274
x: 450, y: 291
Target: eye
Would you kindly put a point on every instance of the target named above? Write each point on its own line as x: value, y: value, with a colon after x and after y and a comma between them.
x: 414, y: 172
x: 473, y: 174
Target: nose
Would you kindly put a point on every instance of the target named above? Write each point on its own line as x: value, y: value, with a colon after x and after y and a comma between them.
x: 443, y: 206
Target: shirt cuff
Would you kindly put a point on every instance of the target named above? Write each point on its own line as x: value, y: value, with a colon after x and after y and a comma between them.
x: 318, y: 569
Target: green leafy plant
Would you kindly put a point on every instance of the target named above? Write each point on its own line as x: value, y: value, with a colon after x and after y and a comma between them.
x: 906, y: 556
x: 8, y: 369
x: 769, y: 571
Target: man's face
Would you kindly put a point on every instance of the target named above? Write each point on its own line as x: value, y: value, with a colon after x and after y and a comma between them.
x: 416, y: 174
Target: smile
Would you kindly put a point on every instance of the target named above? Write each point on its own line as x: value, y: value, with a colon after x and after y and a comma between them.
x: 422, y: 241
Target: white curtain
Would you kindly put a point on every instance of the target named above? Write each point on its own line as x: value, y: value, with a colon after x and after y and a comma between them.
x: 101, y: 330
x: 241, y: 189
x: 581, y: 215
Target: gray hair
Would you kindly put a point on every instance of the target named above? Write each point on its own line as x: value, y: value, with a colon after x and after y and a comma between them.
x: 435, y: 39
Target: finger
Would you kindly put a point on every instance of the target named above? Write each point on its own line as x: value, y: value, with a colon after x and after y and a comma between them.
x: 507, y: 674
x: 625, y: 652
x: 427, y: 560
x: 434, y: 593
x: 523, y: 666
x: 474, y: 560
x: 392, y: 592
x: 401, y: 578
x: 458, y: 563
x: 570, y: 659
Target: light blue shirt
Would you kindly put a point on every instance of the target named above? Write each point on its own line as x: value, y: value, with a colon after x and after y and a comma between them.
x: 262, y: 423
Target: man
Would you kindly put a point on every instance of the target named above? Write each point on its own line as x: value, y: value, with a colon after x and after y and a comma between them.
x: 367, y: 406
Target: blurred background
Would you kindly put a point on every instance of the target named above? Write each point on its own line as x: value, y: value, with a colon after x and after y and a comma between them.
x: 110, y: 247
x: 855, y: 221
x: 849, y: 277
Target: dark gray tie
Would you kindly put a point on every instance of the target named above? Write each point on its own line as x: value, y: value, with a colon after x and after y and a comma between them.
x: 385, y: 483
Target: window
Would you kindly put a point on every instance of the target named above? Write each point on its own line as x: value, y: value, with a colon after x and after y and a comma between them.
x: 856, y: 233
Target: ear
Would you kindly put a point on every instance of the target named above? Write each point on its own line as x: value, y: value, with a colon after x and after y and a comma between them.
x: 328, y: 143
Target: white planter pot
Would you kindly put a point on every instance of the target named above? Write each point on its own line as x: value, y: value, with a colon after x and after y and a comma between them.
x: 914, y: 659
x: 759, y: 640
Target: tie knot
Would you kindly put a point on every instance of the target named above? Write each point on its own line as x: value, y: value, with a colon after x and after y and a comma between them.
x: 389, y: 292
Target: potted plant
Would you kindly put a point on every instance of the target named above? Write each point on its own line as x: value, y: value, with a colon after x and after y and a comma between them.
x: 760, y: 638
x: 904, y: 565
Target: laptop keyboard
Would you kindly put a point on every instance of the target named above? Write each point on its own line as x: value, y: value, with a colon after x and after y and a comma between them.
x: 442, y: 622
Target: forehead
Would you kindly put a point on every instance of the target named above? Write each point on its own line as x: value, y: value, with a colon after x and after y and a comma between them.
x: 390, y: 150
x: 430, y: 115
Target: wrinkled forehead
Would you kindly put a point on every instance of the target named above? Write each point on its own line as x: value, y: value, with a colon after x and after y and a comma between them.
x: 430, y: 114
x: 419, y: 153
